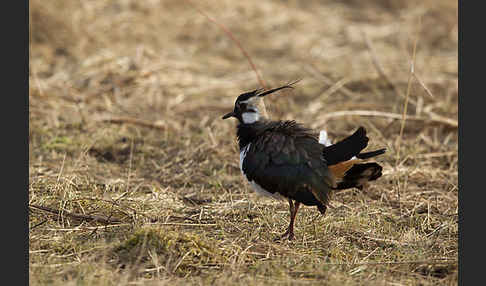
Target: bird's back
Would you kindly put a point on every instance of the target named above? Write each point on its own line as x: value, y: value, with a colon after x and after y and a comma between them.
x: 285, y: 157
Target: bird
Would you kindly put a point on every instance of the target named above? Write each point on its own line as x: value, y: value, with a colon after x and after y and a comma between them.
x: 284, y: 159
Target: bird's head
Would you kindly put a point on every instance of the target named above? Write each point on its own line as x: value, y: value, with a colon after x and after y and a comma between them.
x: 248, y: 106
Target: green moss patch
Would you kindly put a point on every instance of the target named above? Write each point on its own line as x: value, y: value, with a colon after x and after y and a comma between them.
x: 173, y: 251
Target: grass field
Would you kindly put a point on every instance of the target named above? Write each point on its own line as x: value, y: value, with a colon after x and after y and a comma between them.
x: 134, y: 177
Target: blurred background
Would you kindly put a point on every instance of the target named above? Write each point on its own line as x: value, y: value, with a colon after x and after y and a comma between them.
x: 126, y: 99
x: 157, y: 60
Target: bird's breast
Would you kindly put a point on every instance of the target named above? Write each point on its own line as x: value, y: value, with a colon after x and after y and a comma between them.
x: 255, y: 185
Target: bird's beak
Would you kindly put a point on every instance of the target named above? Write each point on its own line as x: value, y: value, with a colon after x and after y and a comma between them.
x: 228, y: 115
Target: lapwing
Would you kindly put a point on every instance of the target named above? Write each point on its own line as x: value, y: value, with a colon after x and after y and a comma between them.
x: 285, y: 160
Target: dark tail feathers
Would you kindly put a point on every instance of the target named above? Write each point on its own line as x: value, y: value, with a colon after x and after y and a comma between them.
x: 359, y: 175
x: 368, y: 155
x: 349, y: 147
x: 346, y: 148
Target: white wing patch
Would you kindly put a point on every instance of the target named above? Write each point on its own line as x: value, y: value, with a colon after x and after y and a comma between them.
x: 242, y: 157
x: 256, y: 187
x: 324, y: 138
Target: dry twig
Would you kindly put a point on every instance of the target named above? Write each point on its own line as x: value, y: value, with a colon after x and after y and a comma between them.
x: 233, y: 38
x: 136, y: 121
x: 390, y: 115
x: 76, y: 216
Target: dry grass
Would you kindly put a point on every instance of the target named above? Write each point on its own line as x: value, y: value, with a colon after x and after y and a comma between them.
x: 137, y: 177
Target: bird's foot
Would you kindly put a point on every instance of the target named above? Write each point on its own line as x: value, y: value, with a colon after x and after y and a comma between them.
x: 289, y: 234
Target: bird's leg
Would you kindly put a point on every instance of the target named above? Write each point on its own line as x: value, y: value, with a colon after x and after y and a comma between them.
x: 292, y: 208
x: 292, y: 220
x: 293, y: 213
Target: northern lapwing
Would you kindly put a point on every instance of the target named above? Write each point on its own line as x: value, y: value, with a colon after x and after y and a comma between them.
x: 285, y: 160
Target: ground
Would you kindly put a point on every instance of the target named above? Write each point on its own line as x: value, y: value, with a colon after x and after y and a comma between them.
x: 134, y: 178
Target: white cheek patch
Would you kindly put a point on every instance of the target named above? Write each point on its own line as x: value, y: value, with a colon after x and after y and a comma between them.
x: 250, y: 117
